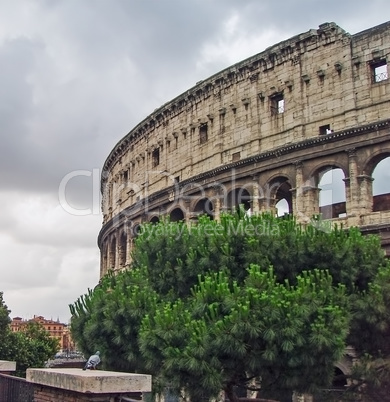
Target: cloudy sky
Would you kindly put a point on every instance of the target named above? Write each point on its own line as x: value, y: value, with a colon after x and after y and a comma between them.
x: 75, y: 77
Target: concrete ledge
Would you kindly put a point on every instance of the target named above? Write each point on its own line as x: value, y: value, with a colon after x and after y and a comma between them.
x: 7, y: 366
x: 90, y: 381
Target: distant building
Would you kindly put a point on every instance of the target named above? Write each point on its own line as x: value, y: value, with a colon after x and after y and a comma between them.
x: 56, y: 329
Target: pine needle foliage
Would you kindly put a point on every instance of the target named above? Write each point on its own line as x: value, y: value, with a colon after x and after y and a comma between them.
x: 211, y: 306
x: 250, y: 330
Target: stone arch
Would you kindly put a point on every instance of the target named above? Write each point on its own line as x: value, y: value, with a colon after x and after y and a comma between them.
x: 204, y: 206
x: 277, y: 189
x: 154, y: 219
x: 339, y: 379
x: 136, y: 229
x: 378, y: 181
x: 176, y: 215
x: 314, y: 175
x: 238, y: 196
x: 374, y: 160
x: 328, y: 182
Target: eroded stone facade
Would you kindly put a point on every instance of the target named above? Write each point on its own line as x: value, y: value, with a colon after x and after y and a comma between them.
x: 262, y: 130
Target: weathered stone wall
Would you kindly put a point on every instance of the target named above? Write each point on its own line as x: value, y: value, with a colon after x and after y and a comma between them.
x: 269, y: 124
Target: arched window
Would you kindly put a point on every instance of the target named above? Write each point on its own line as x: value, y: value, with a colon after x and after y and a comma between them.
x: 381, y: 185
x: 122, y: 250
x: 282, y: 207
x: 176, y: 215
x: 112, y: 255
x: 237, y: 197
x: 204, y: 207
x: 332, y: 195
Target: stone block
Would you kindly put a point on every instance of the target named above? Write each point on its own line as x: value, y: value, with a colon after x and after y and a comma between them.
x: 7, y: 366
x: 90, y: 381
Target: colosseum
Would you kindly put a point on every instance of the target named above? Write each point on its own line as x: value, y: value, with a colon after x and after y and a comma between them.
x: 302, y: 127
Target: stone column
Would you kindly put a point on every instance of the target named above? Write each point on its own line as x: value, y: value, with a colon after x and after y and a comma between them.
x: 366, y: 198
x: 117, y: 248
x: 103, y: 269
x: 217, y: 209
x: 352, y: 189
x: 109, y: 254
x: 305, y: 196
x: 129, y: 242
x: 255, y: 206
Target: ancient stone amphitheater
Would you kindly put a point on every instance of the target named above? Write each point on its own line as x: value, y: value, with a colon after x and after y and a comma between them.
x: 265, y: 132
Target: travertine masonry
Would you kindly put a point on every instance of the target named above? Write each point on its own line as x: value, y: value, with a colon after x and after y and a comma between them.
x: 262, y: 130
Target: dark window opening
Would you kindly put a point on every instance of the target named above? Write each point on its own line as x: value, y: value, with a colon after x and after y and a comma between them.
x: 177, y: 179
x: 125, y: 176
x: 379, y: 71
x: 203, y: 133
x: 325, y: 129
x: 236, y: 156
x: 277, y: 104
x: 155, y: 157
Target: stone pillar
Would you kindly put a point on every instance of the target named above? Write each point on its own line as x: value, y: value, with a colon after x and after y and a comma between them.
x: 109, y: 253
x: 117, y: 248
x: 255, y: 206
x: 305, y: 196
x: 366, y: 198
x: 352, y: 189
x: 129, y: 242
x: 217, y: 203
x: 102, y: 262
x: 188, y: 215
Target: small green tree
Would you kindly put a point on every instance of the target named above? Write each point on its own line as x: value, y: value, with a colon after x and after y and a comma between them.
x: 29, y: 348
x: 163, y: 281
x: 4, y: 325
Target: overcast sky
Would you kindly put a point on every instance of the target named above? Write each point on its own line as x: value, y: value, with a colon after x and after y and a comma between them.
x: 75, y: 77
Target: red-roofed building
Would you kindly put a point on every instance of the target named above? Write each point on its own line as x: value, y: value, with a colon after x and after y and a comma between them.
x: 56, y: 329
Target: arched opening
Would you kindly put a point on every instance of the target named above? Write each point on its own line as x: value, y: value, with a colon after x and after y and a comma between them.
x: 176, y: 215
x: 112, y: 253
x: 279, y: 196
x: 105, y: 266
x: 381, y: 185
x: 339, y: 379
x: 237, y: 197
x: 332, y: 200
x: 282, y: 207
x: 204, y: 207
x: 122, y: 250
x: 155, y: 220
x: 136, y: 230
